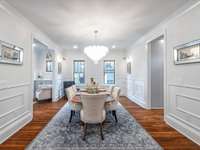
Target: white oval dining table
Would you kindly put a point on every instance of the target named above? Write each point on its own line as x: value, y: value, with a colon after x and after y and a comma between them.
x: 101, y: 92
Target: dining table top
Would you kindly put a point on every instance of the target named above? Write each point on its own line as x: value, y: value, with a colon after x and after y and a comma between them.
x: 98, y: 93
x: 102, y: 91
x: 99, y: 90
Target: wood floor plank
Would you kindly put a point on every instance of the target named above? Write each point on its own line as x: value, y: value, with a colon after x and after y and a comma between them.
x: 151, y: 120
x: 42, y: 114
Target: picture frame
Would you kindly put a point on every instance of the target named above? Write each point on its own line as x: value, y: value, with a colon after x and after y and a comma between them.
x: 187, y: 53
x: 11, y: 54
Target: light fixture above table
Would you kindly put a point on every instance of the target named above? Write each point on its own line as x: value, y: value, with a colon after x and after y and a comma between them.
x: 96, y: 52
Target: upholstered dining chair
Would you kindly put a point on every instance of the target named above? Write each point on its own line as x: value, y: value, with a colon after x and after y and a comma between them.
x: 109, y: 93
x: 73, y: 101
x: 77, y: 93
x: 93, y: 111
x: 111, y: 103
x: 110, y: 89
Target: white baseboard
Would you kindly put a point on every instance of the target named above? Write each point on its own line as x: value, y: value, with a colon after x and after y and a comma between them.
x: 58, y: 98
x: 14, y: 127
x: 187, y: 131
x: 138, y: 101
x: 157, y: 108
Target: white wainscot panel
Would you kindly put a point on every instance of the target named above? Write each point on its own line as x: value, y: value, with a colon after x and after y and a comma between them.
x: 188, y: 105
x: 121, y: 82
x: 130, y: 83
x: 135, y: 90
x: 15, y: 109
x: 139, y: 89
x: 10, y: 103
x: 11, y: 107
x: 184, y: 107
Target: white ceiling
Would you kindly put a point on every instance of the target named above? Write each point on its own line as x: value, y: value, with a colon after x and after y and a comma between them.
x: 72, y: 22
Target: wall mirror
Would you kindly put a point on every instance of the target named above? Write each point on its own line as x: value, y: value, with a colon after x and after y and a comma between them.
x: 49, y: 62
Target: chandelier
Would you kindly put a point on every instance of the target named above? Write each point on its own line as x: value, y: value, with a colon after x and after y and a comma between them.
x: 96, y: 52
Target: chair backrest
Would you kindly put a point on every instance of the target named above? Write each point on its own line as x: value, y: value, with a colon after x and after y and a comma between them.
x: 93, y: 108
x: 74, y: 88
x: 110, y: 89
x: 70, y: 93
x: 116, y: 93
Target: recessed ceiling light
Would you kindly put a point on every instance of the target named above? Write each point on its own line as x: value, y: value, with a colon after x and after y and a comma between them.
x: 113, y: 46
x: 75, y: 46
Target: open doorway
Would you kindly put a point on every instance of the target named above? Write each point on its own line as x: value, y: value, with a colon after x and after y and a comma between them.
x: 156, y: 73
x: 42, y: 69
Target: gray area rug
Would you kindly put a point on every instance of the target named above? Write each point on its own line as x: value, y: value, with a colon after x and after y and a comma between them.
x: 127, y: 134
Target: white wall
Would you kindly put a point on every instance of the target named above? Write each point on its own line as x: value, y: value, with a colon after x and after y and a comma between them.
x: 136, y: 80
x: 182, y: 84
x: 16, y: 80
x: 96, y: 70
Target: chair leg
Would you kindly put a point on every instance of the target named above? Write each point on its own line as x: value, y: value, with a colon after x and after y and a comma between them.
x: 115, y: 115
x: 101, y: 131
x: 85, y: 130
x: 71, y: 115
x: 81, y: 123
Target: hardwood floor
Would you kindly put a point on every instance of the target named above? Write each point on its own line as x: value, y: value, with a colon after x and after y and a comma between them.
x: 151, y: 120
x: 42, y: 114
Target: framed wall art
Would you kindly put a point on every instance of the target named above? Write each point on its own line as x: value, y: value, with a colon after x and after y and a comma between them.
x: 187, y: 53
x: 11, y: 54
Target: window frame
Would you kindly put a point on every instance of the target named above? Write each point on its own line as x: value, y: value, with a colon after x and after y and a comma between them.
x: 112, y: 60
x: 78, y: 60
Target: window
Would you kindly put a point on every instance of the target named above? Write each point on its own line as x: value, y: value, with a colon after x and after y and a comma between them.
x: 109, y: 72
x: 79, y: 71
